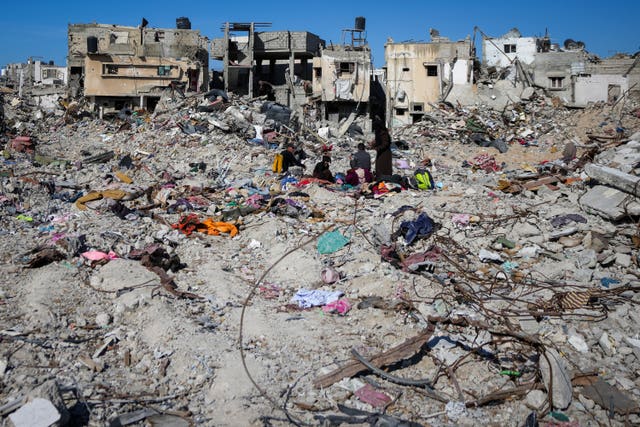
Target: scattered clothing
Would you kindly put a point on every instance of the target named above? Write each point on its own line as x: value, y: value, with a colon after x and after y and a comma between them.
x: 421, y: 227
x: 341, y: 307
x: 315, y: 298
x: 331, y: 242
x: 562, y: 220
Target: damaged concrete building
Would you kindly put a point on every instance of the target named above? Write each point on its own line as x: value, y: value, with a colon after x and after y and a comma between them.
x: 342, y: 75
x: 36, y: 73
x: 569, y: 73
x: 277, y: 64
x: 119, y: 66
x: 421, y: 73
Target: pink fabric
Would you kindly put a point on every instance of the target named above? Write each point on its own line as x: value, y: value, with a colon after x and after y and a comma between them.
x: 97, y: 255
x: 341, y: 306
x: 370, y: 395
x: 461, y: 219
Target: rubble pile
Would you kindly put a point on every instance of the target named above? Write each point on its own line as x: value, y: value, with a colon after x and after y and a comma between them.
x: 156, y: 270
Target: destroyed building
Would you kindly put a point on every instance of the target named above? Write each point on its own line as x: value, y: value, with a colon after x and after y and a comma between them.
x: 569, y: 73
x: 159, y: 270
x: 342, y: 75
x: 36, y: 73
x: 276, y: 64
x: 421, y: 73
x: 117, y: 66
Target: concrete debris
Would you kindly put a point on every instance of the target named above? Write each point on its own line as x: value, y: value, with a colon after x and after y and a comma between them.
x: 165, y: 271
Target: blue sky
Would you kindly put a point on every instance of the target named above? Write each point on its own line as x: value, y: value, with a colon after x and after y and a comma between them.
x: 39, y: 28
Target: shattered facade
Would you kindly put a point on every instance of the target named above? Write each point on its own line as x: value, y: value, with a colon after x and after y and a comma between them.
x: 419, y: 74
x: 341, y: 80
x: 36, y: 73
x: 117, y: 66
x: 501, y: 51
x: 342, y: 75
x: 270, y: 63
x: 569, y: 73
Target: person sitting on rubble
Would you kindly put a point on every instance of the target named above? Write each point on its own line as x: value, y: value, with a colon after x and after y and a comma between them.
x: 321, y: 171
x: 266, y: 89
x: 360, y: 171
x: 289, y: 159
x: 360, y: 159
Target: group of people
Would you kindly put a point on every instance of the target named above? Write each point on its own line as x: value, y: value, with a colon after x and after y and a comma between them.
x: 360, y: 161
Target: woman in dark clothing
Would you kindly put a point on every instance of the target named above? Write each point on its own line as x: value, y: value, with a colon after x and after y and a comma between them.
x: 321, y: 171
x: 382, y: 145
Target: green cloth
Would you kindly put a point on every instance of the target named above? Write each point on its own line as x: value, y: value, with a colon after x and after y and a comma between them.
x: 331, y: 241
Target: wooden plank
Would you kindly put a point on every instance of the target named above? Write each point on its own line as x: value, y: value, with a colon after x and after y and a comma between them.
x: 400, y: 352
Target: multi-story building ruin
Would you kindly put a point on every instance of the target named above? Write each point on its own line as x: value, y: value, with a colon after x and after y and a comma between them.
x: 117, y: 66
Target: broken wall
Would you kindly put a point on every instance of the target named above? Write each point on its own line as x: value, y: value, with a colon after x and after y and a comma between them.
x: 599, y: 87
x: 554, y: 72
x: 342, y: 75
x: 121, y: 75
x: 500, y: 52
x: 46, y: 74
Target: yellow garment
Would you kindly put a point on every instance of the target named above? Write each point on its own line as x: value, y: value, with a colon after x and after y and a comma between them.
x: 98, y: 195
x: 122, y: 177
x: 214, y: 228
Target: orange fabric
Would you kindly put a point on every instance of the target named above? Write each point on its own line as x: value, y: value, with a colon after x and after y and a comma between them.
x: 212, y: 227
x: 190, y: 223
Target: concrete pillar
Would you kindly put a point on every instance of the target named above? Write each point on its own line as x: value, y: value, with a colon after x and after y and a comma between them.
x: 225, y: 69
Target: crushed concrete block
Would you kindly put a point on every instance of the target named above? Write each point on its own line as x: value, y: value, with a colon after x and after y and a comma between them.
x: 608, y: 203
x: 536, y: 398
x: 577, y: 341
x: 556, y: 377
x: 607, y: 344
x: 36, y: 413
x: 586, y: 259
x: 623, y: 260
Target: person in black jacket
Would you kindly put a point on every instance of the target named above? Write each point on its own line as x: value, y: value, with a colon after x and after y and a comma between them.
x: 289, y: 159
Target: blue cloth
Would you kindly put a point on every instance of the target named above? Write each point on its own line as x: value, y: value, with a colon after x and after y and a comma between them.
x: 608, y: 281
x: 420, y: 227
x: 313, y: 298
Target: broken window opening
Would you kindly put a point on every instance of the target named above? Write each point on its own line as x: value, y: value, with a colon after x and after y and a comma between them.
x: 401, y: 111
x: 158, y: 36
x: 50, y: 74
x: 110, y: 69
x: 119, y: 37
x: 556, y: 82
x: 432, y: 71
x: 347, y: 67
x: 405, y: 69
x: 317, y: 72
x: 417, y: 106
x: 164, y: 70
x: 509, y: 48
